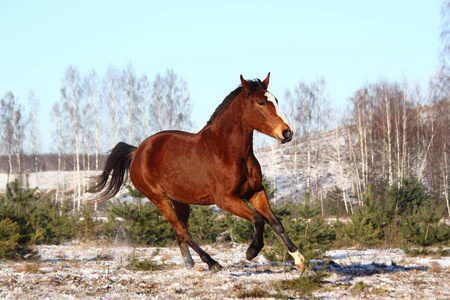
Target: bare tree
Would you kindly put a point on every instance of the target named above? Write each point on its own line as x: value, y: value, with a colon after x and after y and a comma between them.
x: 110, y: 97
x: 8, y: 107
x: 92, y: 99
x: 171, y: 105
x: 157, y: 103
x: 129, y: 85
x: 341, y: 173
x: 34, y: 105
x: 305, y: 105
x: 59, y: 136
x: 292, y: 109
x: 71, y: 94
x: 311, y: 111
x: 13, y: 125
x: 144, y: 101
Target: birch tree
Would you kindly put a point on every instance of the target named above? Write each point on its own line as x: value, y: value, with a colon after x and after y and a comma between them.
x: 144, y: 101
x: 171, y: 104
x: 59, y: 138
x: 111, y: 98
x: 92, y: 96
x: 129, y: 84
x: 8, y: 110
x: 34, y: 106
x: 292, y: 109
x: 311, y: 111
x: 341, y: 172
x: 305, y: 104
x: 71, y: 94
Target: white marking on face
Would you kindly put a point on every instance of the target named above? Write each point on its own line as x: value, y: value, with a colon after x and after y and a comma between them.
x: 272, y: 99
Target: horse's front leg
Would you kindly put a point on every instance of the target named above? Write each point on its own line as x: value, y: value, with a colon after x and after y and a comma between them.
x: 239, y: 208
x: 260, y: 202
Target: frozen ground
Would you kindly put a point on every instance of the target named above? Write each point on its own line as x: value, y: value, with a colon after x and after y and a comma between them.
x: 85, y: 271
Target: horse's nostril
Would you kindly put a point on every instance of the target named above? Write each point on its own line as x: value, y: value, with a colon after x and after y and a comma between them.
x: 287, y: 134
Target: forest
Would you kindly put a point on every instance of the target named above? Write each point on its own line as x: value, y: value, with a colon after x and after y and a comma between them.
x: 390, y: 129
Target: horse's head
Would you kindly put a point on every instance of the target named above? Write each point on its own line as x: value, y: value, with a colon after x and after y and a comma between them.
x: 262, y: 112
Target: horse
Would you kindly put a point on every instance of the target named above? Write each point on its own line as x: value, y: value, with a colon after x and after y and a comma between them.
x: 176, y: 169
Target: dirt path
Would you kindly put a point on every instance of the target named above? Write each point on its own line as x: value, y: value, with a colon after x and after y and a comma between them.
x: 92, y: 272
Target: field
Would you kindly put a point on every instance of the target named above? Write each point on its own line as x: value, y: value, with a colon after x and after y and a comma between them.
x: 89, y: 271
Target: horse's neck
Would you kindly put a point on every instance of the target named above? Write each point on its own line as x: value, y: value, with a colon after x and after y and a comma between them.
x: 232, y: 133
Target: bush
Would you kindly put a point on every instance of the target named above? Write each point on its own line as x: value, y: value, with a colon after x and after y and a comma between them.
x: 36, y: 220
x: 9, y: 239
x: 409, y: 216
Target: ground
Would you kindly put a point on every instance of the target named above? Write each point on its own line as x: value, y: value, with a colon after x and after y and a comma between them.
x: 86, y: 271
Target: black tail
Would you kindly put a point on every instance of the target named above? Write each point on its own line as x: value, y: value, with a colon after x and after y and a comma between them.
x: 118, y: 162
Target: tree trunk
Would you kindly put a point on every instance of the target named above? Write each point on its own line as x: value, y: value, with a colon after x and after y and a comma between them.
x: 388, y: 137
x: 341, y: 172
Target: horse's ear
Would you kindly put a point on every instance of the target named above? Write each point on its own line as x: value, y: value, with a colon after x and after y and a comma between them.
x: 245, y: 83
x: 266, y: 81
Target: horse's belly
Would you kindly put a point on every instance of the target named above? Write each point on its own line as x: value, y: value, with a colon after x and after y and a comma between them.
x: 189, y: 195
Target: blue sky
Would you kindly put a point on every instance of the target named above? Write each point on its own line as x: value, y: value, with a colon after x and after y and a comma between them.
x: 210, y: 43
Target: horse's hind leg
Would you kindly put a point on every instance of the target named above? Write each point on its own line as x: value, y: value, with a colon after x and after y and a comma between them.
x: 164, y: 204
x: 183, y: 210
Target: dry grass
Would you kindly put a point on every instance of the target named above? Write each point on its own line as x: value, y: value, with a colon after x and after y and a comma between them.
x: 32, y: 268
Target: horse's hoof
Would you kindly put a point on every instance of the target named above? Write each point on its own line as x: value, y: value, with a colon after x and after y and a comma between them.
x: 251, y: 254
x: 300, y: 267
x: 215, y: 268
x: 189, y: 264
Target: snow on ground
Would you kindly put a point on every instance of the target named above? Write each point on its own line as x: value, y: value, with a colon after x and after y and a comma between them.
x: 51, y: 179
x: 87, y: 271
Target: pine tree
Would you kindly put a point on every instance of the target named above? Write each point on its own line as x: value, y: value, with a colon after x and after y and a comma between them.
x: 9, y: 239
x: 205, y: 224
x: 334, y: 203
x: 369, y: 221
x: 403, y: 198
x: 422, y: 227
x: 38, y: 220
x: 147, y: 227
x: 134, y: 193
x: 307, y: 228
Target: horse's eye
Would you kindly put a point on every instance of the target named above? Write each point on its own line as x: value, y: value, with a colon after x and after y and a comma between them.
x: 262, y: 103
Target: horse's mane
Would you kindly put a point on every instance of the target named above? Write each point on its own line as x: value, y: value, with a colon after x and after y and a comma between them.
x: 256, y: 83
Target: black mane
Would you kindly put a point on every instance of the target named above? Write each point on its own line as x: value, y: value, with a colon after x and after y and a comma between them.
x: 256, y: 83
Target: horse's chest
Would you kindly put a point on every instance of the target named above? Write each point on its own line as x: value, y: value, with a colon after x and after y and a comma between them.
x: 250, y: 180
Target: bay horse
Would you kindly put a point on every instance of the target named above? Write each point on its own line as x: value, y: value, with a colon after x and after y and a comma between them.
x: 175, y: 169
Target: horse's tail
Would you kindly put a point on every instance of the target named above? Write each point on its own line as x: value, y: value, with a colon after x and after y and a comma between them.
x: 117, y: 167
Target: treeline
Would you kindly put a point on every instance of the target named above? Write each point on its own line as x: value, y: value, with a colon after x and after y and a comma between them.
x: 388, y: 132
x: 93, y: 114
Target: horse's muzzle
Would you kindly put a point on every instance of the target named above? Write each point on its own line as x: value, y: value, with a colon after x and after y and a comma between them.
x: 286, y: 136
